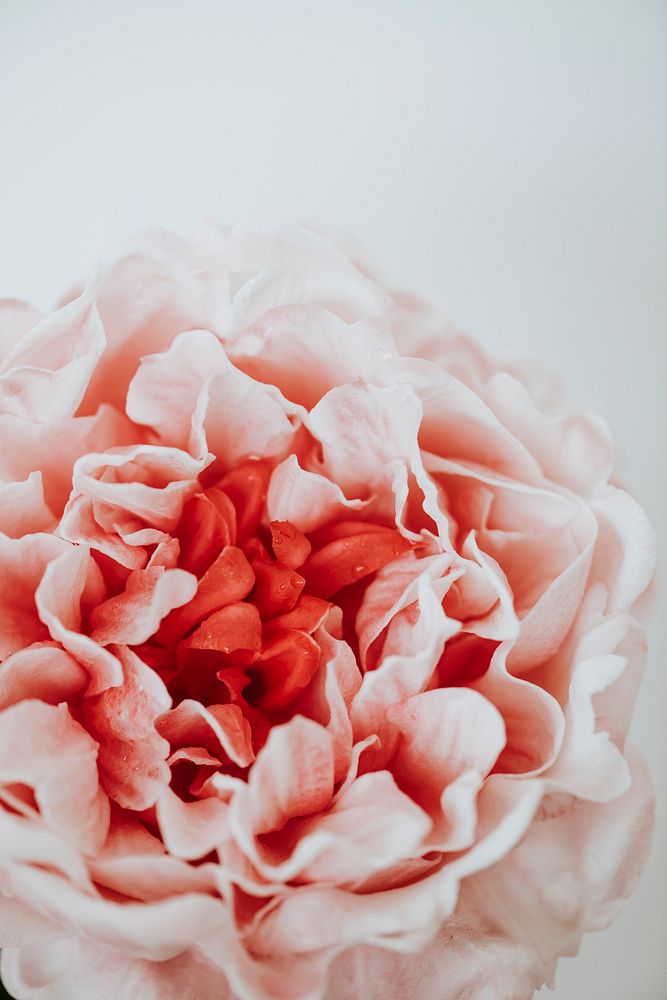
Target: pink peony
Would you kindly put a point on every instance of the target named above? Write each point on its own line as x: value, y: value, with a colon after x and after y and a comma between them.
x: 317, y: 653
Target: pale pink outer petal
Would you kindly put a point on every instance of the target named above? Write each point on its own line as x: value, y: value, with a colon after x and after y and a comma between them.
x: 163, y: 393
x: 547, y: 622
x: 17, y: 318
x: 404, y: 918
x: 307, y: 499
x: 514, y: 920
x: 403, y: 674
x: 276, y: 264
x: 132, y: 756
x: 133, y: 616
x: 191, y: 724
x: 439, y: 762
x: 25, y: 842
x: 589, y: 764
x: 576, y: 450
x: 42, y: 746
x: 457, y: 965
x: 76, y: 969
x: 20, y: 926
x: 292, y: 776
x: 305, y: 351
x: 157, y: 930
x: 533, y: 718
x: 23, y: 510
x: 177, y: 284
x: 149, y: 481
x: 370, y: 826
x: 23, y: 562
x: 625, y: 554
x: 42, y: 671
x: 238, y: 418
x: 393, y: 588
x: 52, y: 450
x: 58, y: 603
x: 367, y: 435
x: 45, y: 376
x: 457, y: 424
x: 328, y: 699
x: 190, y: 829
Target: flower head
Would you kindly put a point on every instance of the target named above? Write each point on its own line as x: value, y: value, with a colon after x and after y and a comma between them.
x: 317, y: 659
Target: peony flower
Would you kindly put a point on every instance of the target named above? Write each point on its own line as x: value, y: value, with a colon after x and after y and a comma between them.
x: 317, y: 652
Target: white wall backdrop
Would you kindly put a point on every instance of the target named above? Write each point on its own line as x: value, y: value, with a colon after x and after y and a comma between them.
x: 507, y: 158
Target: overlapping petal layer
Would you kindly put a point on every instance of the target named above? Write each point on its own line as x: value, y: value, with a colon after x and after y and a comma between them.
x: 316, y: 652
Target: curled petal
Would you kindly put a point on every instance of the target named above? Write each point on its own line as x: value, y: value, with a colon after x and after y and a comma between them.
x: 58, y: 599
x: 133, y: 616
x: 23, y: 510
x: 438, y: 763
x: 43, y: 747
x: 133, y: 755
x: 46, y: 375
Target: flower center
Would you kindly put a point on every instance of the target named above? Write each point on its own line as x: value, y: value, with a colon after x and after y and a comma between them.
x: 246, y: 637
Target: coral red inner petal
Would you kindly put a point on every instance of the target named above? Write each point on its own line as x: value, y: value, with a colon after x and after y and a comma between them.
x: 201, y: 533
x: 229, y: 579
x: 308, y: 613
x: 290, y: 546
x: 237, y: 626
x: 246, y: 487
x: 285, y: 668
x: 346, y: 560
x: 277, y: 588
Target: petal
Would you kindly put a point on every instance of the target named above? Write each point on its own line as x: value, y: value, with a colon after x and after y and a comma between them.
x: 163, y: 393
x: 42, y: 671
x: 158, y: 930
x: 625, y: 553
x: 218, y: 727
x: 43, y: 747
x: 19, y: 926
x: 52, y: 450
x: 160, y: 287
x: 133, y: 616
x: 457, y: 424
x: 292, y: 776
x: 305, y: 351
x: 570, y: 874
x: 404, y: 673
x: 533, y: 718
x: 17, y: 318
x: 22, y: 565
x: 46, y: 374
x: 370, y: 827
x: 576, y: 450
x: 393, y: 588
x: 285, y: 263
x: 148, y: 481
x: 368, y: 436
x: 450, y: 740
x: 305, y: 499
x: 589, y: 764
x: 78, y: 970
x: 228, y: 580
x: 23, y: 510
x: 58, y: 599
x: 190, y: 830
x: 465, y: 964
x: 238, y: 418
x: 132, y: 757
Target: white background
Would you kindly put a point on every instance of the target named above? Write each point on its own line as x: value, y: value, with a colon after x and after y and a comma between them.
x: 508, y: 158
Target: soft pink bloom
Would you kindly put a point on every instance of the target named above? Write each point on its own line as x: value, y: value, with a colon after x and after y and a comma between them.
x: 317, y: 650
